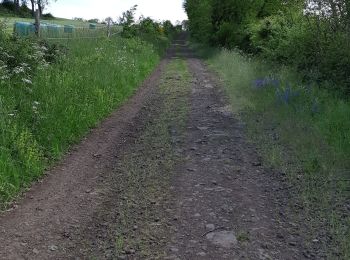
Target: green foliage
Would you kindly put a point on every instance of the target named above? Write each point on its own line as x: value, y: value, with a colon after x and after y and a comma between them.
x: 95, y: 20
x: 9, y: 8
x: 148, y: 26
x: 168, y: 28
x: 21, y: 58
x: 145, y: 26
x: 310, y: 36
x: 199, y: 14
x: 127, y: 20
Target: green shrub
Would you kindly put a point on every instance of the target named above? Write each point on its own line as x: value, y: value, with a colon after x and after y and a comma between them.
x: 285, y: 33
x: 317, y: 54
x: 21, y: 58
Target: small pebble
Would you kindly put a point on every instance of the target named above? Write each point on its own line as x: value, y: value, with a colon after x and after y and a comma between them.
x: 53, y: 248
x: 292, y: 243
x: 210, y: 227
x: 174, y: 250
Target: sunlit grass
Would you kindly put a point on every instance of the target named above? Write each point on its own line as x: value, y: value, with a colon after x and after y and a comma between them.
x: 40, y: 120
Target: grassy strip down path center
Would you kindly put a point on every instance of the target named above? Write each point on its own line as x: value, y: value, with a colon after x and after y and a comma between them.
x: 145, y: 172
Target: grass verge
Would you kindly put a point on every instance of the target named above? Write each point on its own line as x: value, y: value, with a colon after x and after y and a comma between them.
x: 146, y: 168
x: 42, y: 118
x: 302, y: 130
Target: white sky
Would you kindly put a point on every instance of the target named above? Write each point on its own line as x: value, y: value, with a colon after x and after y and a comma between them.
x: 156, y: 9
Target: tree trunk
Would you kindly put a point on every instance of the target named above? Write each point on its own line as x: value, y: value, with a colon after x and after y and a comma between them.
x: 33, y: 7
x: 16, y: 2
x: 40, y: 6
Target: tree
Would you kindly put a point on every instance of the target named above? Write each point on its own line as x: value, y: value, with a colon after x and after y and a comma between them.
x: 200, y: 22
x: 32, y: 2
x: 17, y: 5
x: 41, y: 5
x: 128, y: 17
x: 12, y: 5
x: 127, y: 20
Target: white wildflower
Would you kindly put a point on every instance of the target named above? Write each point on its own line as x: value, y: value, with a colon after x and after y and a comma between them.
x: 27, y: 81
x: 18, y: 70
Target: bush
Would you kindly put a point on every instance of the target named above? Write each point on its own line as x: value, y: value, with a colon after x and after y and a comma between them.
x: 313, y: 40
x: 48, y: 16
x: 320, y: 58
x: 20, y: 58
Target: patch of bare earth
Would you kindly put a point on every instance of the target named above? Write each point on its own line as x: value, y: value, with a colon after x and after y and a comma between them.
x: 169, y: 175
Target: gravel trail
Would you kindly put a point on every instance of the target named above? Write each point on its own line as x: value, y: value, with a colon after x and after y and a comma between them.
x: 169, y: 175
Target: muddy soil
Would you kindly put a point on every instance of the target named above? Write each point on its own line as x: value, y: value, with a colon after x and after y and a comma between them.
x: 169, y: 175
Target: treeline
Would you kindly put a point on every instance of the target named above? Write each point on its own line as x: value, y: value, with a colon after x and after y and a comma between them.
x: 145, y: 26
x: 20, y: 8
x: 312, y: 36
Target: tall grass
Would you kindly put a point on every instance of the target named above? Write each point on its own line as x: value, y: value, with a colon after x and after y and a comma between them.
x: 42, y: 118
x: 303, y: 131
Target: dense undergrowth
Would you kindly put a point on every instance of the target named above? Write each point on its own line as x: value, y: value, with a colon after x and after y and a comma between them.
x: 303, y: 130
x: 311, y: 36
x: 51, y: 94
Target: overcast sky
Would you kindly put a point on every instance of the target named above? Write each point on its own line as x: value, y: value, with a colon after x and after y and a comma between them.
x: 157, y: 9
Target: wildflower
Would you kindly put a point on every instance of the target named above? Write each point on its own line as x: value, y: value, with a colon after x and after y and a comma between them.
x: 275, y: 82
x: 35, y: 109
x: 27, y: 81
x: 18, y: 70
x: 315, y: 109
x: 11, y: 115
x: 260, y: 83
x: 36, y: 103
x: 285, y: 95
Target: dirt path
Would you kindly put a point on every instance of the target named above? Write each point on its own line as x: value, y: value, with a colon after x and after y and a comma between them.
x: 168, y: 176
